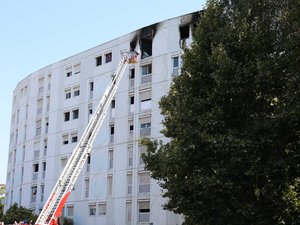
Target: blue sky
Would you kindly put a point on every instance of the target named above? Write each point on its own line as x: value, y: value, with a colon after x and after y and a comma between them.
x: 37, y: 33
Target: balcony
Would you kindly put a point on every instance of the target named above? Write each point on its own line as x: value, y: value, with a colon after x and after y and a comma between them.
x: 145, y: 131
x: 35, y: 175
x: 146, y: 79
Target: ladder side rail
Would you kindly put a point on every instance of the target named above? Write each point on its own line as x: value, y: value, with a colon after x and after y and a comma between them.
x: 101, y: 112
x: 56, y: 190
x: 100, y: 121
x: 81, y: 152
x: 103, y: 108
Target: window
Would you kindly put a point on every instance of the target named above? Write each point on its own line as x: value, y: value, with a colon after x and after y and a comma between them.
x: 22, y: 174
x: 24, y: 149
x: 145, y: 97
x: 144, y: 211
x: 113, y: 104
x: 128, y: 212
x: 90, y: 111
x: 63, y: 162
x: 99, y: 60
x: 45, y: 146
x: 145, y: 129
x: 87, y: 188
x: 146, y: 73
x: 39, y: 106
x: 108, y: 57
x: 131, y: 100
x: 142, y: 150
x: 42, y: 192
x: 131, y: 106
x: 110, y: 159
x: 112, y: 133
x: 91, y: 89
x: 66, y: 116
x: 46, y: 125
x: 48, y: 104
x: 33, y: 194
x: 88, y: 163
x: 102, y: 208
x: 65, y: 138
x: 146, y: 69
x: 75, y: 114
x: 20, y: 196
x: 92, y: 209
x: 184, y: 31
x: 76, y: 91
x: 175, y: 64
x: 130, y: 157
x: 74, y: 137
x: 68, y: 93
x: 144, y: 183
x: 44, y: 169
x: 131, y: 73
x: 109, y: 185
x: 77, y: 68
x: 69, y: 71
x: 146, y: 39
x: 131, y: 128
x: 41, y: 85
x: 38, y: 126
x: 131, y: 77
x: 70, y: 210
x: 129, y: 184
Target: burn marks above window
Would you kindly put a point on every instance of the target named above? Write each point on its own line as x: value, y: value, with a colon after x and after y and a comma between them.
x: 187, y: 22
x: 144, y: 38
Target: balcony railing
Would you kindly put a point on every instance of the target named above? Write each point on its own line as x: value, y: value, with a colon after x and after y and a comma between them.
x: 144, y: 188
x: 35, y: 175
x: 144, y: 217
x: 145, y: 131
x: 146, y: 79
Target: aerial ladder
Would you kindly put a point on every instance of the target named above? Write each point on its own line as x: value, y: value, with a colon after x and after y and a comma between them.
x: 62, y: 189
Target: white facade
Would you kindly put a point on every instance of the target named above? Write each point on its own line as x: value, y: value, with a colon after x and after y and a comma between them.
x: 52, y: 106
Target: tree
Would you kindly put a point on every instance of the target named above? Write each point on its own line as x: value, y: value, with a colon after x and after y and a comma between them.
x: 68, y: 221
x: 233, y: 118
x: 15, y: 213
x: 1, y: 209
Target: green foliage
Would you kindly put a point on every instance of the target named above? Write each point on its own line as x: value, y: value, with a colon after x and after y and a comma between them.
x: 2, y: 190
x: 233, y: 118
x: 68, y: 221
x: 1, y: 209
x: 15, y: 213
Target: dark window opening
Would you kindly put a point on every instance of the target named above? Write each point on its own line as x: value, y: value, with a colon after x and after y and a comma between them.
x: 132, y: 73
x: 35, y: 167
x: 75, y: 114
x: 99, y: 61
x: 108, y: 57
x: 146, y: 46
x: 67, y: 116
x: 184, y: 31
x: 112, y: 130
x: 74, y: 139
x: 69, y: 74
x: 91, y: 86
x: 131, y: 127
x: 113, y: 104
x: 132, y: 100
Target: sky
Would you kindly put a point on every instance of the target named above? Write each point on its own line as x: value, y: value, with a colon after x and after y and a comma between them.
x: 37, y: 33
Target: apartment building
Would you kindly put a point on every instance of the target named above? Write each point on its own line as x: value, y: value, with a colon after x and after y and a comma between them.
x: 52, y: 106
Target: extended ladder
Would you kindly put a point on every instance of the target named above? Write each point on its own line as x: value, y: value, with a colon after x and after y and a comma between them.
x: 62, y: 189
